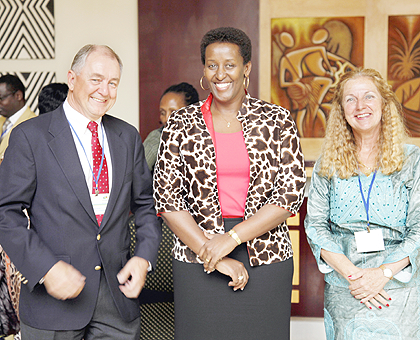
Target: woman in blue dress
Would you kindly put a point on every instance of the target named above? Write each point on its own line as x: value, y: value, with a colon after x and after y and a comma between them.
x: 364, y: 214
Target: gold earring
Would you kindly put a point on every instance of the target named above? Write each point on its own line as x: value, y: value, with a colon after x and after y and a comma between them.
x: 246, y: 82
x: 201, y: 84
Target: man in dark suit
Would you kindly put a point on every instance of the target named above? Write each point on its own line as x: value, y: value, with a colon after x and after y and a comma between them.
x: 79, y: 172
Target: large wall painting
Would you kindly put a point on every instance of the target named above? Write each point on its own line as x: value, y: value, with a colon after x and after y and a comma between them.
x: 404, y: 66
x: 27, y: 29
x: 308, y: 56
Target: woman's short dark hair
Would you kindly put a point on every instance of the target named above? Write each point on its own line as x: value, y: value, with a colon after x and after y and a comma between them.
x: 227, y: 35
x: 51, y: 97
x: 189, y: 92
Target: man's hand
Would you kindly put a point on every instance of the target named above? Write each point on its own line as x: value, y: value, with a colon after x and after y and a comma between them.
x: 63, y: 281
x: 133, y: 276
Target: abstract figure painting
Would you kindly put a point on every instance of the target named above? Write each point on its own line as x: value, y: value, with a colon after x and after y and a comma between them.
x: 308, y: 56
x: 27, y: 29
x: 404, y: 66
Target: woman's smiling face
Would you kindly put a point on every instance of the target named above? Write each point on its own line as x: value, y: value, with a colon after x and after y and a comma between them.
x: 224, y: 70
x: 362, y: 104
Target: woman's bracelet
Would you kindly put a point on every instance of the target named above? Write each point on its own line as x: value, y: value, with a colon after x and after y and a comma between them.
x: 232, y: 233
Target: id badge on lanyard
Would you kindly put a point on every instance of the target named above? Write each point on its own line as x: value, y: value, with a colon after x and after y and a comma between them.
x: 368, y: 240
x: 99, y: 202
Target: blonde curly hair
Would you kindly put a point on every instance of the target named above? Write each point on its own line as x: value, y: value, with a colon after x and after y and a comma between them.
x: 339, y: 150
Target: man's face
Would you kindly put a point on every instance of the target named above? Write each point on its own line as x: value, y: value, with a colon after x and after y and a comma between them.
x: 93, y: 91
x: 10, y: 102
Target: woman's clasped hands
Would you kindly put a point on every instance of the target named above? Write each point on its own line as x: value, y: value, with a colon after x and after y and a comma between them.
x: 213, y: 254
x: 367, y: 286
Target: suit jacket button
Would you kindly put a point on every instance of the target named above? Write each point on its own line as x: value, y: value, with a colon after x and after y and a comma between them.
x: 98, y: 268
x: 98, y: 237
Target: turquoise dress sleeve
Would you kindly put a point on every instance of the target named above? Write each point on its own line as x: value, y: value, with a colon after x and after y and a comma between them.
x: 317, y: 220
x: 410, y: 244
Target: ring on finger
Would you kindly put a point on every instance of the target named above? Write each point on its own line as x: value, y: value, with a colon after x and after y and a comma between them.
x: 240, y: 278
x: 207, y: 260
x: 364, y: 295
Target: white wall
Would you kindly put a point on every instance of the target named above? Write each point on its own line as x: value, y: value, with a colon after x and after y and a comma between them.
x: 307, y: 329
x: 81, y: 22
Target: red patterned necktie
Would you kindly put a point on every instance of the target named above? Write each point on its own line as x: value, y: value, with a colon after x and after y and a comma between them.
x: 102, y: 186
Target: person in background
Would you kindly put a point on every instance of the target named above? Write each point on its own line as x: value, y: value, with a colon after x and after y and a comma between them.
x: 79, y: 172
x: 173, y: 98
x: 13, y: 108
x: 159, y: 285
x: 13, y: 111
x: 363, y: 214
x: 51, y: 97
x: 229, y: 173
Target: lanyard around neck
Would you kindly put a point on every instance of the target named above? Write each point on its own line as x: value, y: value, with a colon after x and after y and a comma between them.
x: 96, y: 179
x: 366, y: 202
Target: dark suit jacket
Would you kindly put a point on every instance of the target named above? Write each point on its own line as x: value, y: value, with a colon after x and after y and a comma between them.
x: 41, y: 172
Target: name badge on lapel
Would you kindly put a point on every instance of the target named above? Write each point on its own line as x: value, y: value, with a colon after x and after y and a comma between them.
x: 369, y: 241
x: 99, y: 202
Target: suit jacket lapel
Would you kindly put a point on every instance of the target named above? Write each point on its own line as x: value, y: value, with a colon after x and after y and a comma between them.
x: 118, y: 151
x: 65, y: 152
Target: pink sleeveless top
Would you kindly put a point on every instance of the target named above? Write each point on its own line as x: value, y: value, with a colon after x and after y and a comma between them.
x: 232, y: 163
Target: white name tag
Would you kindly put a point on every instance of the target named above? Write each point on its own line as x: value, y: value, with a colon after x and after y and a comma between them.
x: 99, y: 203
x: 367, y: 242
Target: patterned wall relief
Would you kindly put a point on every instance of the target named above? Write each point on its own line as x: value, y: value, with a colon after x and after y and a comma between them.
x: 27, y: 29
x: 308, y: 56
x: 404, y: 66
x: 34, y: 82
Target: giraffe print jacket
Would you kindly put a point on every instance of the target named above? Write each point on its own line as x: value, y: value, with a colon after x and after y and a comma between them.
x: 185, y: 173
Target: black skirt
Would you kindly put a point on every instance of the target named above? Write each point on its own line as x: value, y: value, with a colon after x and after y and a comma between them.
x: 206, y: 308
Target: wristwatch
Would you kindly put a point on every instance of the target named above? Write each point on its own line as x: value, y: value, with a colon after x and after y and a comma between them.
x: 387, y: 272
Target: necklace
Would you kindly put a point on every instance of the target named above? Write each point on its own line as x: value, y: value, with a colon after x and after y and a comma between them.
x: 227, y: 123
x: 367, y: 167
x: 368, y: 156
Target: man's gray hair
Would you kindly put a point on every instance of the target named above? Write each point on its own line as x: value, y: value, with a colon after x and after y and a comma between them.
x: 80, y: 57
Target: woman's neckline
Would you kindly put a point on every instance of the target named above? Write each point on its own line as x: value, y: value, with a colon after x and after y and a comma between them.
x: 228, y: 133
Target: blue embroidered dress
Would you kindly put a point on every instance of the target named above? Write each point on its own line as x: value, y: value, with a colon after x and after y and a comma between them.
x: 335, y: 212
